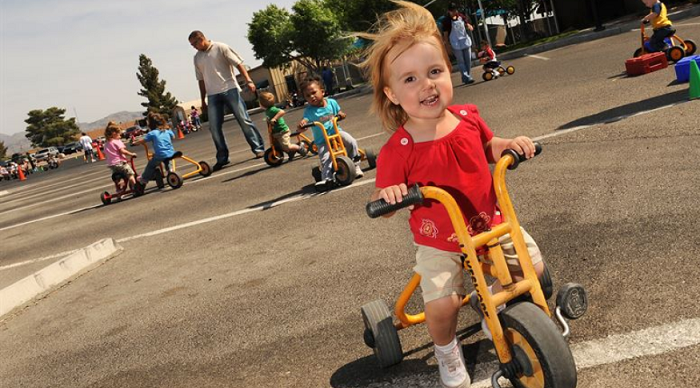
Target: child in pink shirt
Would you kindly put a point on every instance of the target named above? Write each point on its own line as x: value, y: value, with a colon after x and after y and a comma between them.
x: 116, y: 153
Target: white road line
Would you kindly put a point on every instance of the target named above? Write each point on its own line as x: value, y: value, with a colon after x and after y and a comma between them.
x: 538, y: 57
x: 239, y: 212
x: 57, y: 255
x: 49, y: 217
x: 608, y: 121
x: 620, y: 347
x: 193, y: 223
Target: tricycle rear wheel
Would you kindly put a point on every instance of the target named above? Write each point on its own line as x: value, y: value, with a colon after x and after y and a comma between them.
x: 381, y: 334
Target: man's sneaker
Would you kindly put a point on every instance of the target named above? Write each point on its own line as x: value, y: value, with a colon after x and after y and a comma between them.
x: 453, y: 371
x: 218, y: 166
x: 358, y: 172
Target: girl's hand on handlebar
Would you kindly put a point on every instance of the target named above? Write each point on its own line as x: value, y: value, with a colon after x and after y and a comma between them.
x: 342, y: 115
x: 523, y: 145
x: 394, y: 194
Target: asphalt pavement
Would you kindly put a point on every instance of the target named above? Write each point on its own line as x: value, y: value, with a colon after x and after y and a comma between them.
x: 248, y: 278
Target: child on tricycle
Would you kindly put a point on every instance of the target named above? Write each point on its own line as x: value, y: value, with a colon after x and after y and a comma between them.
x: 116, y: 154
x: 280, y: 135
x: 161, y: 136
x: 323, y: 110
x: 448, y: 148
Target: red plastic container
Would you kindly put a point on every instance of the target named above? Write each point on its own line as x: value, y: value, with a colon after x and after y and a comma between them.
x: 646, y: 63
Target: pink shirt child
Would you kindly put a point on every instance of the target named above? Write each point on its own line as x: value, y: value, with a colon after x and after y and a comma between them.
x: 114, y: 157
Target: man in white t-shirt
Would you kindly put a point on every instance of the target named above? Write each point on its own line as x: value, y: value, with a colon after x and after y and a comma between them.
x: 213, y: 64
x: 86, y: 142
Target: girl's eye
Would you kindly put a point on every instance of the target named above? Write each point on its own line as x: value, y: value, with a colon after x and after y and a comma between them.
x: 435, y: 71
x: 409, y: 79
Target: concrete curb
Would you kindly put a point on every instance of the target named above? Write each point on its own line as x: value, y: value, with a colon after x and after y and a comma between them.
x: 51, y: 276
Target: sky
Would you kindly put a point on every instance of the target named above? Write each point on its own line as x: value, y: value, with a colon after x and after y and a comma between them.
x: 83, y: 55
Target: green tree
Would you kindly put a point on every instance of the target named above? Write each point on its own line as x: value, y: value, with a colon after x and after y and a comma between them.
x: 270, y: 35
x: 359, y: 15
x: 159, y: 100
x: 310, y: 34
x: 50, y: 128
x: 3, y: 150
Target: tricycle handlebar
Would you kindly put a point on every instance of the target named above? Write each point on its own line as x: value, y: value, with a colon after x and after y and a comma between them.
x: 311, y: 124
x: 517, y: 158
x: 381, y: 207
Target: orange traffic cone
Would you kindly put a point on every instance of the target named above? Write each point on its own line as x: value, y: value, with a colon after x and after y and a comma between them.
x: 180, y: 135
x: 100, y: 156
x: 21, y: 174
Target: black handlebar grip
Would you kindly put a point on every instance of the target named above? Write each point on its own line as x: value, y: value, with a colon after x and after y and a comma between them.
x: 380, y: 207
x: 517, y: 158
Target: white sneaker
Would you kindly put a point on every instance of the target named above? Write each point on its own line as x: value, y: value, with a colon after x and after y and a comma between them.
x: 453, y: 371
x: 358, y: 172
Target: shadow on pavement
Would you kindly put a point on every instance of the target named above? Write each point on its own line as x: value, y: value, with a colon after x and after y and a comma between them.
x: 366, y: 371
x: 246, y: 174
x: 306, y: 190
x: 622, y: 112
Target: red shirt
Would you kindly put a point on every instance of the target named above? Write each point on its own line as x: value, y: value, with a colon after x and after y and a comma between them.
x: 456, y: 163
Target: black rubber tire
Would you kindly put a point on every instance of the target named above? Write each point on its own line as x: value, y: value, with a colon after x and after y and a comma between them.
x: 105, y: 198
x: 138, y: 189
x: 638, y: 53
x: 691, y: 47
x: 174, y: 180
x: 371, y: 158
x: 487, y: 76
x: 206, y: 168
x: 380, y: 328
x: 675, y: 53
x: 345, y: 174
x: 160, y: 183
x: 510, y: 70
x: 314, y: 149
x: 539, y: 346
x: 316, y: 173
x: 271, y: 159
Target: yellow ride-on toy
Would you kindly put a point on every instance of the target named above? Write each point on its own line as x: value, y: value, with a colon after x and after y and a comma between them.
x: 489, y: 67
x: 343, y: 165
x: 678, y: 48
x: 274, y: 157
x: 530, y: 347
x: 173, y: 177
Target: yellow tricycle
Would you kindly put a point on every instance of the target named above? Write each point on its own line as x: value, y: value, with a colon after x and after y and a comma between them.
x: 532, y: 350
x: 343, y: 165
x: 168, y: 169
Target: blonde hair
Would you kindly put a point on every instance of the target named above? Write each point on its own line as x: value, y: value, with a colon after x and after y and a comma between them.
x: 399, y: 29
x: 267, y: 99
x: 111, y: 129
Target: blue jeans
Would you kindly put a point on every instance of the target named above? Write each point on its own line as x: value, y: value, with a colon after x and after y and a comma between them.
x: 464, y: 62
x: 150, y: 171
x: 215, y: 109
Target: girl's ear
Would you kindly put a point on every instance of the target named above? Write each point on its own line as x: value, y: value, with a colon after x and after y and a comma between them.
x: 390, y: 95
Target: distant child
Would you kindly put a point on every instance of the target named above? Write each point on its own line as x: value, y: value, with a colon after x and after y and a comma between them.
x: 116, y: 153
x: 194, y: 117
x: 488, y: 58
x: 280, y: 130
x: 161, y: 136
x: 438, y: 144
x: 323, y: 110
x: 663, y: 28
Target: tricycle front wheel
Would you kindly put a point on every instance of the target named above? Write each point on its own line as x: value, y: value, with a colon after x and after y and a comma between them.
x: 543, y: 356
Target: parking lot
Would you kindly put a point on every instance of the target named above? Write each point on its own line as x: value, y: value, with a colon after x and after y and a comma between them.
x: 249, y: 278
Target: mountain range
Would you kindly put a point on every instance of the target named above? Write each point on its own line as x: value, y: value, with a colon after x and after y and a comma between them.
x: 17, y: 142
